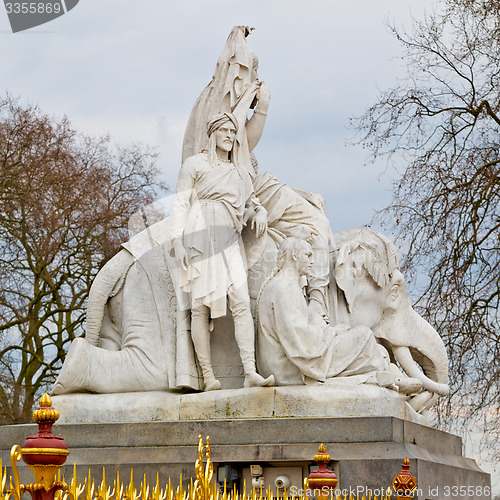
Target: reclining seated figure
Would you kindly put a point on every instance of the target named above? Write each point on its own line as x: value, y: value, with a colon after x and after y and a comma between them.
x: 297, y: 346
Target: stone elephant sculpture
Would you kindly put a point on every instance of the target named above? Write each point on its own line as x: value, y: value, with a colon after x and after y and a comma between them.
x: 366, y: 270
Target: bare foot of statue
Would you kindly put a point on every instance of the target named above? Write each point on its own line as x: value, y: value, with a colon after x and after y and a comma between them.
x: 255, y: 380
x: 406, y: 385
x: 409, y: 385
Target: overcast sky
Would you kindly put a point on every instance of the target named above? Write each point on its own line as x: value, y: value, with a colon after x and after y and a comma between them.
x: 133, y: 70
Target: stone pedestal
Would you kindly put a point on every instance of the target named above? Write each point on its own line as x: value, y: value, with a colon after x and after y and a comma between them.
x: 257, y: 402
x: 367, y: 450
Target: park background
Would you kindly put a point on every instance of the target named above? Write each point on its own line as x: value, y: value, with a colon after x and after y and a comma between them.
x: 134, y: 69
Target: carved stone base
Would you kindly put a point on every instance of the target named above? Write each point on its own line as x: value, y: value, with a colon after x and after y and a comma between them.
x: 260, y: 402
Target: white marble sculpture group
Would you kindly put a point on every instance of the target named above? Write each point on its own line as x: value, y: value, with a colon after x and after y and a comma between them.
x: 307, y: 306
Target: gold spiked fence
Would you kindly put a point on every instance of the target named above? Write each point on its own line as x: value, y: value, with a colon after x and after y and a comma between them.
x: 202, y: 488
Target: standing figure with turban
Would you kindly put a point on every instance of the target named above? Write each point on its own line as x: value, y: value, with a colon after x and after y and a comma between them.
x: 214, y: 200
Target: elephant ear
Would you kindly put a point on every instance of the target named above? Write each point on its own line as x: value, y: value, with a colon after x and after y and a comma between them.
x: 349, y: 272
x: 396, y: 294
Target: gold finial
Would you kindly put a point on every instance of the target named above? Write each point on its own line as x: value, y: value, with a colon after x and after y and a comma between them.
x: 404, y: 484
x: 322, y: 455
x: 45, y: 401
x: 322, y: 480
x: 45, y: 412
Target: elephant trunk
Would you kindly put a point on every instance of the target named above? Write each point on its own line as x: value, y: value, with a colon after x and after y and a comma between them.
x: 106, y: 284
x: 405, y: 359
x: 415, y: 342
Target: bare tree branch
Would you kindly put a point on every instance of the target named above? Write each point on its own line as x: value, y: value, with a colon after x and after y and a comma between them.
x: 65, y: 201
x: 441, y: 125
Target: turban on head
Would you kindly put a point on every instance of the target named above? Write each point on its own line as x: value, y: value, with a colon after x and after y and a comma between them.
x: 218, y: 120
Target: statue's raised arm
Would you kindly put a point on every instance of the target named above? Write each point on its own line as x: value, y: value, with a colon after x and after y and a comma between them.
x: 235, y: 88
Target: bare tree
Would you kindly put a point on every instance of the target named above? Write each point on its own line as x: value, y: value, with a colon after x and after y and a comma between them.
x: 440, y: 128
x: 65, y: 201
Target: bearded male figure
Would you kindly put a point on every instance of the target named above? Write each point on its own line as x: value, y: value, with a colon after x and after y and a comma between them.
x: 235, y: 87
x: 214, y: 199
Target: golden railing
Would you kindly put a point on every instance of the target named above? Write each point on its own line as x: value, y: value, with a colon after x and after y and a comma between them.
x: 203, y: 487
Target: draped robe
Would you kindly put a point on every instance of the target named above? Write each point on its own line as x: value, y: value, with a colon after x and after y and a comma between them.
x: 208, y: 214
x: 297, y: 347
